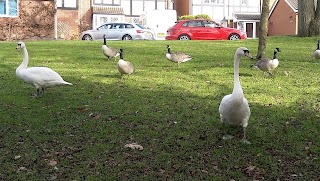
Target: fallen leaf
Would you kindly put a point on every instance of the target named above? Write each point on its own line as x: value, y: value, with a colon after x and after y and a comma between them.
x: 22, y: 169
x: 52, y: 163
x: 134, y: 146
x: 82, y: 109
x: 17, y: 157
x: 250, y: 168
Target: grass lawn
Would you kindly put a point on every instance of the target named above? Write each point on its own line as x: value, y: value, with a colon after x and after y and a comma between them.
x: 79, y: 132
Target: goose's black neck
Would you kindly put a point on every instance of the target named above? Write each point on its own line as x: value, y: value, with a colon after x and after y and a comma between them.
x: 121, y: 55
x: 104, y: 40
x: 274, y: 54
x: 318, y: 48
x: 169, y: 51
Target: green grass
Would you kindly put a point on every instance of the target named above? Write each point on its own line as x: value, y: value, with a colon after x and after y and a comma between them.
x: 169, y: 109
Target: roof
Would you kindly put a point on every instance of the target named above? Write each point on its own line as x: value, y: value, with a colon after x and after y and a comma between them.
x: 107, y: 10
x: 293, y: 4
x: 247, y: 16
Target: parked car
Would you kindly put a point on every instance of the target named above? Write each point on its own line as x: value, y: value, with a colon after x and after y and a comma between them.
x: 118, y: 31
x: 203, y: 30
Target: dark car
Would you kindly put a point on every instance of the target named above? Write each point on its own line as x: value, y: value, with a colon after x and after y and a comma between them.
x: 203, y: 30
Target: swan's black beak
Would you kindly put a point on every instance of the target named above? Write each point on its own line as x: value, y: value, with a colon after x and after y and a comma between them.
x: 248, y: 55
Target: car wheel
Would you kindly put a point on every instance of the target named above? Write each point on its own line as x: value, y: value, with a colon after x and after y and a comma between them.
x: 86, y: 37
x: 184, y: 37
x: 126, y: 37
x: 234, y: 37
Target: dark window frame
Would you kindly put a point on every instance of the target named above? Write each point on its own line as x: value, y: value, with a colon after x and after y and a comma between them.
x: 69, y: 8
x: 107, y: 4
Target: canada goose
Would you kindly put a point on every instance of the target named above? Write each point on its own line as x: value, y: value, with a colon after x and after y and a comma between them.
x: 39, y: 77
x: 234, y: 108
x: 316, y: 53
x: 124, y: 67
x: 268, y: 65
x: 109, y: 52
x: 177, y: 57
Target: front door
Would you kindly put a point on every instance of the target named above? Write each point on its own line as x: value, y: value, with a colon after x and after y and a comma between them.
x: 249, y: 29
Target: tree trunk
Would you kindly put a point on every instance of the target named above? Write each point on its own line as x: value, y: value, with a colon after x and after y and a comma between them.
x: 263, y: 29
x: 305, y: 14
x: 315, y: 22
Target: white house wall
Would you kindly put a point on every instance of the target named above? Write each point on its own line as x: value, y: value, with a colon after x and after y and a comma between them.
x: 220, y: 9
x: 138, y: 6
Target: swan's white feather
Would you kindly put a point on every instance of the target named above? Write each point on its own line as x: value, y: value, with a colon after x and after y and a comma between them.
x: 39, y: 77
x: 43, y: 77
x: 234, y: 111
x: 234, y: 108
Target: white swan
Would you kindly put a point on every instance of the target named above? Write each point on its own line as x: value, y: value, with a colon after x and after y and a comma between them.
x: 234, y: 108
x: 124, y: 67
x: 316, y: 53
x: 109, y: 52
x: 39, y: 77
x: 268, y: 65
x: 177, y: 57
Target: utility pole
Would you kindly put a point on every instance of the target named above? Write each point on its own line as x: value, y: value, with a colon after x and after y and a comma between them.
x: 55, y: 20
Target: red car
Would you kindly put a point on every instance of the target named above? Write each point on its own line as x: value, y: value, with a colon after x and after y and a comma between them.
x: 203, y: 30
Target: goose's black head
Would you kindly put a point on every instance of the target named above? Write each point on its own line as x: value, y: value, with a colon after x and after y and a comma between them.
x: 168, y: 47
x: 277, y: 50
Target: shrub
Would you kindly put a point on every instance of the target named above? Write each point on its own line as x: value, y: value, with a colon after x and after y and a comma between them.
x: 186, y: 17
x: 189, y: 17
x: 202, y: 16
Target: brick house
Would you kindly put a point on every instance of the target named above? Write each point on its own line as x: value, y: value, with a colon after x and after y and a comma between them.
x: 66, y: 19
x: 41, y: 19
x: 24, y: 19
x: 283, y: 18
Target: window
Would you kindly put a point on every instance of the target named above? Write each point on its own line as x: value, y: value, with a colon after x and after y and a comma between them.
x: 105, y: 27
x: 107, y: 2
x: 9, y: 8
x: 117, y: 26
x: 193, y: 24
x: 213, y: 1
x: 70, y: 4
x: 211, y: 24
x: 129, y: 26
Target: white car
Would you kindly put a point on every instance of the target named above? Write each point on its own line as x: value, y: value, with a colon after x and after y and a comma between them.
x: 118, y: 31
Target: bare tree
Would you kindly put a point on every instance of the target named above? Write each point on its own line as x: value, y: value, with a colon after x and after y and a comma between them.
x: 305, y: 14
x: 315, y: 22
x: 37, y: 20
x: 263, y: 29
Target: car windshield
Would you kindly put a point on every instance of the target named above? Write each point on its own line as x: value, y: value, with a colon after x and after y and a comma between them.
x: 140, y: 26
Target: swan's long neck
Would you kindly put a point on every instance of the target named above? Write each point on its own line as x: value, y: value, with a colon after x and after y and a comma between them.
x: 237, y: 90
x: 25, y: 60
